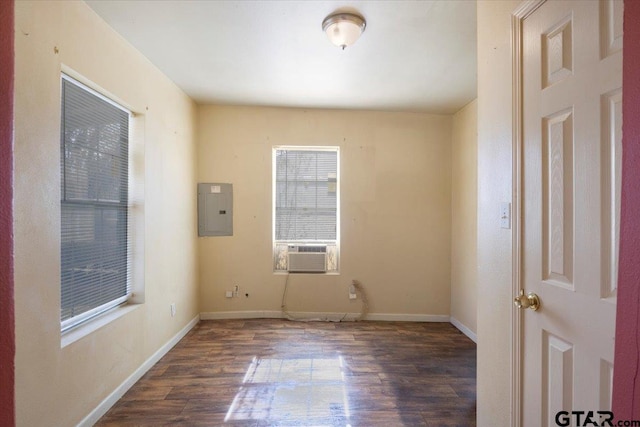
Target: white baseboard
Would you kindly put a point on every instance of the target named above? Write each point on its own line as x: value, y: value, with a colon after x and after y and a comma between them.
x: 468, y: 332
x: 110, y: 400
x: 218, y: 315
x: 323, y: 316
x: 399, y: 317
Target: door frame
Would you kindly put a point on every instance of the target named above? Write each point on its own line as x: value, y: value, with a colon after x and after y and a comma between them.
x: 524, y: 10
x: 7, y: 314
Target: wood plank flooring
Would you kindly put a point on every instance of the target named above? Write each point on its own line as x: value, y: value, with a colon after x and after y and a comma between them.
x: 273, y: 372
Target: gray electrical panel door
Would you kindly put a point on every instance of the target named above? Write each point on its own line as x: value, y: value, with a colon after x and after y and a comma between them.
x: 215, y: 209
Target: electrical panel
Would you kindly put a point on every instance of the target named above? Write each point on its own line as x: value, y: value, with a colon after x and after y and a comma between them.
x: 215, y: 209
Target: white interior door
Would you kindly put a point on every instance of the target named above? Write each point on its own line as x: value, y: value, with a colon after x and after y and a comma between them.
x: 571, y: 152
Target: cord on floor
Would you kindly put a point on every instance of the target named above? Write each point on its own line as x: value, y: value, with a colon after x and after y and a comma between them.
x: 364, y: 309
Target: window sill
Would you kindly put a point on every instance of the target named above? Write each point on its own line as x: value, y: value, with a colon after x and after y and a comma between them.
x: 326, y: 273
x: 87, y: 328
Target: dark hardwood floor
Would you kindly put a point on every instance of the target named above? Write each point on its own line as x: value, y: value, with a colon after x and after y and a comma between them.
x: 272, y: 372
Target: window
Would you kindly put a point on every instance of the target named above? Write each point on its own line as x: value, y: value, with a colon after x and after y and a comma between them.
x: 306, y: 203
x: 94, y: 156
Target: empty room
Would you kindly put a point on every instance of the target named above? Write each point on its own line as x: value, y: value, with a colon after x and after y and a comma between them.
x: 368, y: 213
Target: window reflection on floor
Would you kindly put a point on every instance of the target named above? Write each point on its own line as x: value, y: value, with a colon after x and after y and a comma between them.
x: 310, y: 389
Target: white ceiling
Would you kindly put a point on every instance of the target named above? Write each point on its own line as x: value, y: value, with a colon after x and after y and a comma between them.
x: 413, y: 55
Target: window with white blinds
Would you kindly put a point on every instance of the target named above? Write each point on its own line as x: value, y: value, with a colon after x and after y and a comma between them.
x: 94, y: 204
x: 306, y: 198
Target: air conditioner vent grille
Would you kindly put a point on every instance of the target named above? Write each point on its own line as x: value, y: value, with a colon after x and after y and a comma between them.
x: 307, y: 259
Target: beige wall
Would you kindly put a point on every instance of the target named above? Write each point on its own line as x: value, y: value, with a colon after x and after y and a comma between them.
x: 464, y: 219
x: 60, y: 386
x: 397, y: 210
x: 494, y: 187
x: 395, y: 213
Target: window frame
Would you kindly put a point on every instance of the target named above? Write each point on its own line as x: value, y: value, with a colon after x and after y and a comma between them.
x: 82, y: 318
x: 333, y: 246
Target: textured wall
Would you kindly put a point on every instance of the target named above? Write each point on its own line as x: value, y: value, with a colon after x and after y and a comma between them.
x: 495, y: 185
x: 626, y: 383
x: 395, y: 209
x: 464, y: 216
x: 60, y: 385
x: 7, y: 339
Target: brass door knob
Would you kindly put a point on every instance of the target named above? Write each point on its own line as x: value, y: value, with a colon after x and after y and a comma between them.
x: 530, y: 300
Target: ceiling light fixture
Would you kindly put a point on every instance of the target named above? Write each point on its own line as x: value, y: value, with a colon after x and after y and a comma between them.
x: 343, y: 29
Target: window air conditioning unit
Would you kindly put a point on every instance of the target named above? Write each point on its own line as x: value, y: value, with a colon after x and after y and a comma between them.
x: 307, y: 258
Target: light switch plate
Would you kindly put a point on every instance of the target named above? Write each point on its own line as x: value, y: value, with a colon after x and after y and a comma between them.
x: 505, y: 215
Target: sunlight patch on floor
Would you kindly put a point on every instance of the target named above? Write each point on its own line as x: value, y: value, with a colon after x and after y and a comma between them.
x: 292, y: 389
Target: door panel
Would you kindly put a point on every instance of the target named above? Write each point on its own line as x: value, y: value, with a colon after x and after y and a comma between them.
x: 571, y: 157
x: 611, y: 166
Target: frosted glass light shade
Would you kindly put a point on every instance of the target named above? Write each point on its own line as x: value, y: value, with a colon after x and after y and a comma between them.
x: 343, y: 29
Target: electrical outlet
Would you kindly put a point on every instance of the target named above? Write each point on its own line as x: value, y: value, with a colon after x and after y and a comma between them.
x: 173, y: 309
x: 228, y: 294
x: 353, y: 296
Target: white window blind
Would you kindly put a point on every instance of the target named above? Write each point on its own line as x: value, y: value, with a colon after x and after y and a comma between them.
x: 94, y: 204
x: 305, y: 195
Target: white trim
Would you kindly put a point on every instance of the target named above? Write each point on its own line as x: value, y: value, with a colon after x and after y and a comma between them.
x: 465, y: 330
x: 518, y: 16
x: 116, y: 394
x: 78, y: 319
x: 93, y: 86
x: 401, y: 317
x: 324, y: 316
x: 75, y: 321
x: 219, y: 315
x: 76, y: 81
x: 336, y: 242
x: 82, y: 330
